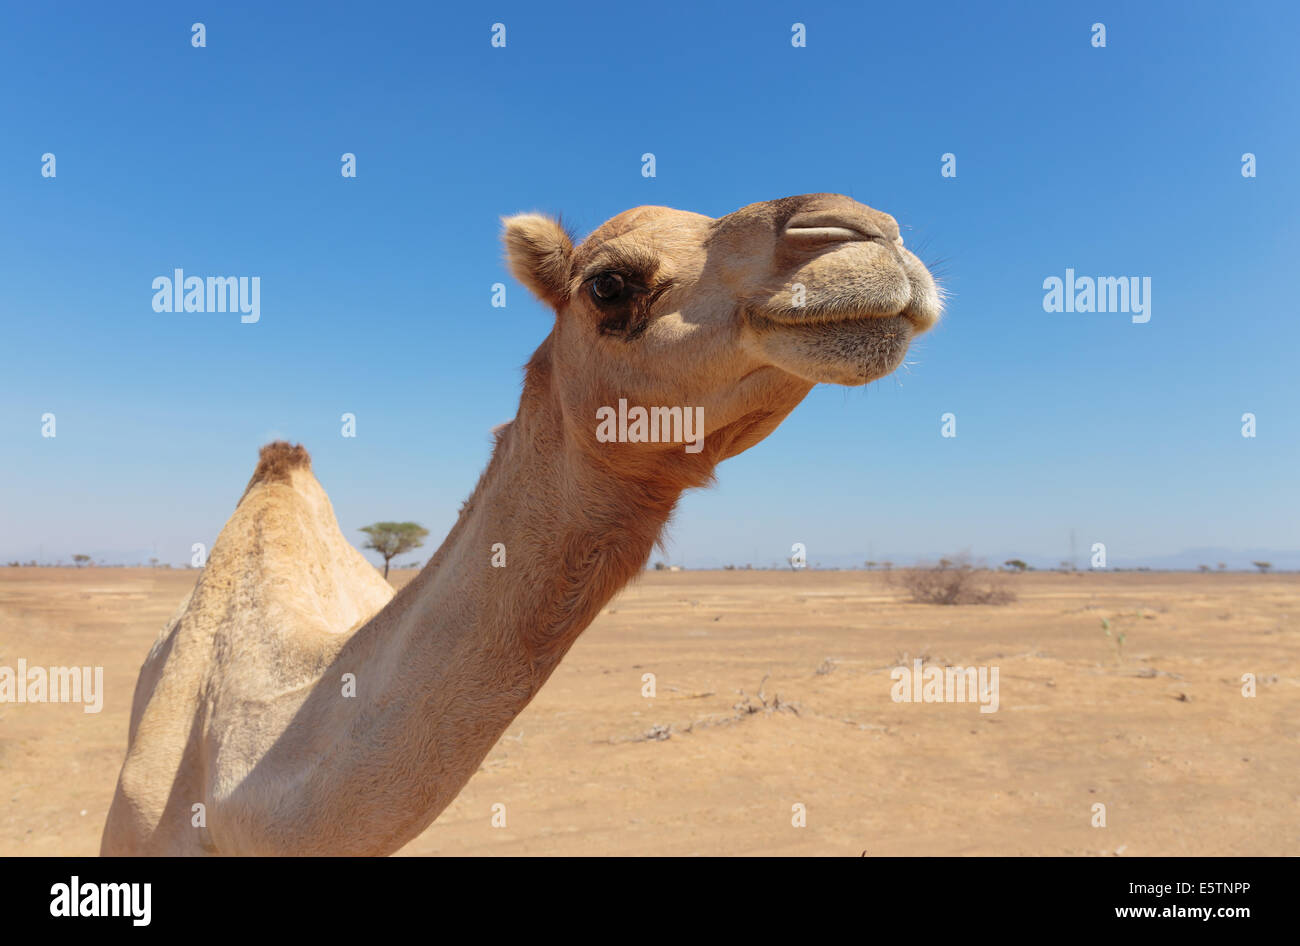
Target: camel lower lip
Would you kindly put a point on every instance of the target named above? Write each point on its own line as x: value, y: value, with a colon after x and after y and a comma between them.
x: 849, y: 349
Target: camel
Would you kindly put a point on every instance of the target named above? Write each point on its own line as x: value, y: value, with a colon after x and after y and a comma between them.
x: 294, y: 705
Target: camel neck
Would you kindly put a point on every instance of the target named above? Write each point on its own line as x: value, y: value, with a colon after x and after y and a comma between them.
x: 547, y: 538
x: 550, y: 534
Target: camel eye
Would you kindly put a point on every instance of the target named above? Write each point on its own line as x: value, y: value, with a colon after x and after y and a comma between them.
x: 607, y: 287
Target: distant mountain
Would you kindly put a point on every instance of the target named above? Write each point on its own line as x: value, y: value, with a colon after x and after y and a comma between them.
x: 1187, y: 560
x: 1236, y: 559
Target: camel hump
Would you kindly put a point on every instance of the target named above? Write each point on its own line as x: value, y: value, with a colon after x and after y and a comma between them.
x: 277, y: 461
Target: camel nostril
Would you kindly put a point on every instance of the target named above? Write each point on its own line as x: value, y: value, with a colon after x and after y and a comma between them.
x: 825, y: 234
x: 823, y: 226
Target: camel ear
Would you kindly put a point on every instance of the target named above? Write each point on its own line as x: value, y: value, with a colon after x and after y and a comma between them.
x: 540, y: 253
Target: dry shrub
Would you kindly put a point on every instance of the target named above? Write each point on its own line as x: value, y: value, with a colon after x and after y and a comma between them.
x: 955, y: 581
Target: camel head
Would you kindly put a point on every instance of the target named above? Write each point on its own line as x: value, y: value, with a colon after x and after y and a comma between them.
x: 739, y: 315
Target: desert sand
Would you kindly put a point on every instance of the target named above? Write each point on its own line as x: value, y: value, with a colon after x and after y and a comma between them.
x: 1156, y: 729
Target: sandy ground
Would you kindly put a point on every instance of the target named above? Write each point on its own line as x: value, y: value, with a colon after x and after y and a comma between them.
x: 1158, y: 731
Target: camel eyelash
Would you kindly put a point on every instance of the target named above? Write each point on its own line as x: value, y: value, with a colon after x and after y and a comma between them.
x: 635, y: 263
x: 631, y: 318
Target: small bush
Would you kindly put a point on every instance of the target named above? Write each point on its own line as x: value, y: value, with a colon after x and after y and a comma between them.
x: 954, y: 581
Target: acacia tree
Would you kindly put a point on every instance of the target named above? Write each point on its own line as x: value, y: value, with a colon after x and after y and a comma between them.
x: 391, y: 539
x: 80, y: 559
x: 1262, y: 566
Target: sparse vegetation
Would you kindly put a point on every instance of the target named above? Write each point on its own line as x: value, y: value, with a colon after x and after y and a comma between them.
x: 1015, y: 563
x: 80, y: 560
x: 391, y: 539
x: 1118, y: 638
x: 1263, y: 566
x: 955, y: 581
x: 748, y: 706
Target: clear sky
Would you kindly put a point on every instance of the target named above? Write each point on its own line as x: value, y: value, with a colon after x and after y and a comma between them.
x: 376, y: 291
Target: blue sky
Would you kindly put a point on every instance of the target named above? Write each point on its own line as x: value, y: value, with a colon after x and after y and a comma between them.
x: 376, y: 291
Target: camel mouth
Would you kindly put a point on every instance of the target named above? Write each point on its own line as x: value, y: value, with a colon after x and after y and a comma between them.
x: 831, y: 318
x: 836, y: 348
x: 886, y: 283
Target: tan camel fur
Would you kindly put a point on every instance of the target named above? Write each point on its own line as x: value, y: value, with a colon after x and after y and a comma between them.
x: 295, y: 705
